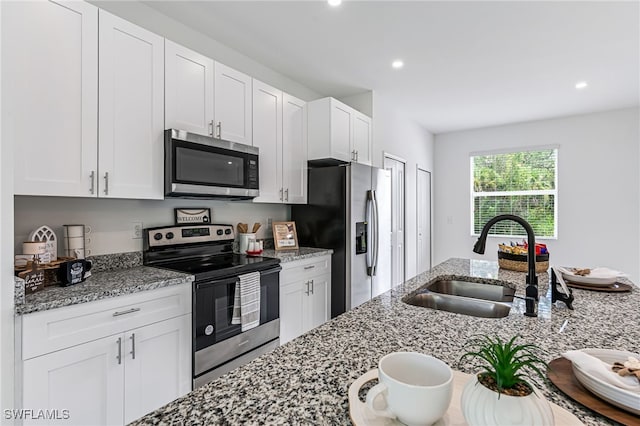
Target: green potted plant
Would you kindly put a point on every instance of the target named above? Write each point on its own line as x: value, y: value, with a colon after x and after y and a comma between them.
x: 500, y: 393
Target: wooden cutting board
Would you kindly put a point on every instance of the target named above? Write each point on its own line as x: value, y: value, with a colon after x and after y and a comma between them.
x: 615, y: 287
x: 561, y: 375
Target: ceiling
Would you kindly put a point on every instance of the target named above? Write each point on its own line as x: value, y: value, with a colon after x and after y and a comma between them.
x: 467, y: 64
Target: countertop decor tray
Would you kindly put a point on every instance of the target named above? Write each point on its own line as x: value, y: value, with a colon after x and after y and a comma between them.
x: 613, y: 288
x: 362, y: 416
x: 561, y: 375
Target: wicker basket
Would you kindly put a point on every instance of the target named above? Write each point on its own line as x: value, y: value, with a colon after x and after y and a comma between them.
x: 518, y: 262
x: 50, y: 270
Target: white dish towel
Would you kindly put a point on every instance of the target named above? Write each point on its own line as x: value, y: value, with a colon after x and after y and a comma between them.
x: 246, y: 301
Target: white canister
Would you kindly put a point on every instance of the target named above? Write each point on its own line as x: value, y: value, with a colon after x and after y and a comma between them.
x: 243, y: 242
x: 73, y: 231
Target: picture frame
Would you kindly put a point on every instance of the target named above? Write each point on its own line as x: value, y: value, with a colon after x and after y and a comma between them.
x: 192, y: 216
x: 285, y: 236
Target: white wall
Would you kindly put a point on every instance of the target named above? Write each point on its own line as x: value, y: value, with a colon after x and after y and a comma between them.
x: 111, y: 219
x: 598, y: 188
x: 363, y: 102
x: 165, y: 26
x: 396, y: 134
x: 6, y: 263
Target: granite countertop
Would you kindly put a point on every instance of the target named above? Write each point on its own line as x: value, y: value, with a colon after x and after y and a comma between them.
x: 307, y: 379
x: 292, y: 255
x: 101, y: 285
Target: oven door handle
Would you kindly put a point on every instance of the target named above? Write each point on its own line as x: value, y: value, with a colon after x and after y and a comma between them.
x: 233, y: 279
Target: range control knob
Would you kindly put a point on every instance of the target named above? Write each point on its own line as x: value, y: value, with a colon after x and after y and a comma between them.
x: 169, y: 235
x: 157, y: 236
x: 227, y: 231
x: 219, y: 232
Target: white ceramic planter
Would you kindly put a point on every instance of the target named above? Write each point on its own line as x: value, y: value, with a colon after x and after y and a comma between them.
x: 482, y: 407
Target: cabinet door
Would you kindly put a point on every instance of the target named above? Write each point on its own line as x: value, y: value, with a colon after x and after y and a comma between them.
x: 267, y: 129
x: 50, y: 106
x: 86, y: 379
x: 319, y: 301
x: 341, y: 123
x: 188, y: 90
x: 293, y: 298
x: 294, y: 149
x: 362, y: 138
x: 131, y: 110
x: 157, y: 366
x: 232, y: 105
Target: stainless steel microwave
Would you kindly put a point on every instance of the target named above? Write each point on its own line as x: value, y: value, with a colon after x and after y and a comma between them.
x: 204, y: 167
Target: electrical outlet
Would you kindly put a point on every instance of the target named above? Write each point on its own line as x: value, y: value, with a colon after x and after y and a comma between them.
x: 136, y: 230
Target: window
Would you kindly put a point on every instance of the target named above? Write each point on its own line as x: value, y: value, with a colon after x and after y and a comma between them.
x: 521, y: 183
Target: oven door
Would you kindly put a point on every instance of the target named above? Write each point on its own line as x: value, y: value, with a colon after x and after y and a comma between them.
x: 200, y: 166
x: 213, y: 307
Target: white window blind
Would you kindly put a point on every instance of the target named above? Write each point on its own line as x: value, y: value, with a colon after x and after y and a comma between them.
x: 521, y: 183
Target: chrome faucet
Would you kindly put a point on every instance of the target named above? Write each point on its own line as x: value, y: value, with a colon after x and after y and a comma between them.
x: 531, y: 292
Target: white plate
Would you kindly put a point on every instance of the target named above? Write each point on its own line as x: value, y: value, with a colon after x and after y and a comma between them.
x: 625, y: 399
x: 599, y: 277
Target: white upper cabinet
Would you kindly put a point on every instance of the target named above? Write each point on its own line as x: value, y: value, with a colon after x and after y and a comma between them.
x: 188, y: 90
x: 50, y: 108
x: 279, y: 131
x: 362, y: 138
x: 131, y: 110
x: 338, y: 132
x: 294, y: 149
x: 267, y: 137
x: 232, y: 105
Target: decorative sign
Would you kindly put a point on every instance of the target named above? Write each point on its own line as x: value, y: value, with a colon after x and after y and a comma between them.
x: 33, y: 280
x: 197, y: 216
x: 285, y: 236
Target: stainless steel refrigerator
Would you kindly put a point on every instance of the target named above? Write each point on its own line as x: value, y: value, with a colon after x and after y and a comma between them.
x: 349, y: 211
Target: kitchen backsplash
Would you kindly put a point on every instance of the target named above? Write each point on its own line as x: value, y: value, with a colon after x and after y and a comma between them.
x: 111, y: 220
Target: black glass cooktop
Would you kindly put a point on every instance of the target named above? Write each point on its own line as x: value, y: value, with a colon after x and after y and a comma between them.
x: 219, y: 265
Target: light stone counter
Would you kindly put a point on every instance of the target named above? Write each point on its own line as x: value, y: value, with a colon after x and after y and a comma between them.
x: 306, y: 380
x: 293, y: 255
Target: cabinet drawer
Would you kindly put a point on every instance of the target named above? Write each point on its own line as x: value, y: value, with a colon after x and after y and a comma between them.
x: 305, y: 268
x: 49, y: 331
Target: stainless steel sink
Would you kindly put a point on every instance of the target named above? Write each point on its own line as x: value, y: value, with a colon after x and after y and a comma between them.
x: 496, y: 293
x: 466, y: 298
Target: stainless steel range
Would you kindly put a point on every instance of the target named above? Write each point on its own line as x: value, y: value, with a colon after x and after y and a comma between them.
x: 206, y: 252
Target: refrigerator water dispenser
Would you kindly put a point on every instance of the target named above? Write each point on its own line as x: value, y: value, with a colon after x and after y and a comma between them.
x: 361, y: 237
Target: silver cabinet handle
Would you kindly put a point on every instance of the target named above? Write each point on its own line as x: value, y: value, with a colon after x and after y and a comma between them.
x: 286, y: 194
x: 307, y: 291
x: 219, y: 127
x: 128, y: 311
x: 312, y: 287
x: 92, y: 176
x: 211, y: 128
x: 280, y: 194
x: 133, y: 345
x: 310, y: 267
x: 106, y: 183
x: 119, y: 356
x: 356, y: 155
x: 353, y: 155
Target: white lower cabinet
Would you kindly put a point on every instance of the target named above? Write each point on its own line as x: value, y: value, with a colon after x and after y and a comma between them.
x: 114, y: 379
x: 305, y: 296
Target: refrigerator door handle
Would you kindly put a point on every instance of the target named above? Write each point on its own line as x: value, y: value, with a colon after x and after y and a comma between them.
x: 376, y: 225
x: 369, y: 219
x: 373, y: 231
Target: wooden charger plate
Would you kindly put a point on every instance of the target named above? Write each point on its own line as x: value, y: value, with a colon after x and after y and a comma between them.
x: 561, y: 375
x: 362, y: 416
x: 615, y: 287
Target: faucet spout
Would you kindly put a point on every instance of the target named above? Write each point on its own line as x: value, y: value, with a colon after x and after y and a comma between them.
x: 531, y: 291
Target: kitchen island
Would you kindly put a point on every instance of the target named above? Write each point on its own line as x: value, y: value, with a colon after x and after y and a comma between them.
x: 306, y: 381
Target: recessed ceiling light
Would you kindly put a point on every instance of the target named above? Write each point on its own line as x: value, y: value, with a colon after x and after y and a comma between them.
x: 581, y: 85
x: 334, y: 3
x: 397, y: 64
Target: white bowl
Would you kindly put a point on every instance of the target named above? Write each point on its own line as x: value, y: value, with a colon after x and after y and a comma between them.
x: 599, y: 277
x: 625, y: 399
